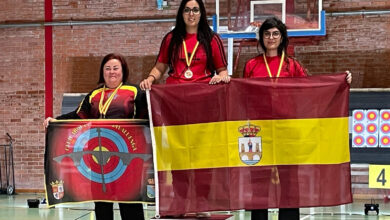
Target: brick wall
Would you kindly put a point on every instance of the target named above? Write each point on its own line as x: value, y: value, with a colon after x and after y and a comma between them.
x: 22, y: 101
x: 17, y: 11
x: 354, y: 5
x: 77, y: 58
x: 358, y: 43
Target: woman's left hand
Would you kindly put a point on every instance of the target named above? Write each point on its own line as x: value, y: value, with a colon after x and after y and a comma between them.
x: 222, y: 76
x: 349, y: 76
x: 226, y: 79
x: 218, y: 78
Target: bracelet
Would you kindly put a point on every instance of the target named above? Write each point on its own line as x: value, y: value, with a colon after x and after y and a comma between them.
x: 153, y: 77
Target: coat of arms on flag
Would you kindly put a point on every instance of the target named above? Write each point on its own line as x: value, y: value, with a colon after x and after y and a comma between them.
x: 98, y: 160
x: 249, y: 146
x: 58, y: 189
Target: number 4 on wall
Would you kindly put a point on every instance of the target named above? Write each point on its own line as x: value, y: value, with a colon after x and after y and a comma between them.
x: 378, y: 176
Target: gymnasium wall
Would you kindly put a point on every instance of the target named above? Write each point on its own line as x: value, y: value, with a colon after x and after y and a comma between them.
x: 359, y: 43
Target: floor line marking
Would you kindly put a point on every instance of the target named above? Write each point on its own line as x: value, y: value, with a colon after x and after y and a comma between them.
x: 307, y: 216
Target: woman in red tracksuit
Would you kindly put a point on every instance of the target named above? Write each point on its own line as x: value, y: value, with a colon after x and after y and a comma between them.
x: 191, y: 51
x: 274, y: 62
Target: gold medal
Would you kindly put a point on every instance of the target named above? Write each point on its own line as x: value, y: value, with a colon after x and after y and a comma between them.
x: 103, y: 107
x: 280, y: 65
x: 188, y: 74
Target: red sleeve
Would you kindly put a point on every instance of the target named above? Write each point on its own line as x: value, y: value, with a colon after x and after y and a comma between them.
x: 218, y: 52
x: 163, y: 54
x: 247, y: 70
x: 299, y: 70
x: 249, y: 67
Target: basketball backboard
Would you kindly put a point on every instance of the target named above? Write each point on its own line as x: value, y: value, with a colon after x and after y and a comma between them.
x: 239, y: 18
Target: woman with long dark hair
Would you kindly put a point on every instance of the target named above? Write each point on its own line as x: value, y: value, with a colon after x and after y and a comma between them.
x: 191, y: 51
x: 275, y: 62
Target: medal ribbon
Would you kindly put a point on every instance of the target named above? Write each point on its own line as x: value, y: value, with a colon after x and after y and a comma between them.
x: 192, y: 54
x: 103, y: 108
x: 280, y: 65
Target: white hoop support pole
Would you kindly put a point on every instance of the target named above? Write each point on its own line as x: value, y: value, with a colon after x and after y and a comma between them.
x: 156, y: 188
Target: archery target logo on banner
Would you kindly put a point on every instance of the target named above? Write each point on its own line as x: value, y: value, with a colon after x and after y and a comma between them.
x: 100, y: 160
x: 90, y: 166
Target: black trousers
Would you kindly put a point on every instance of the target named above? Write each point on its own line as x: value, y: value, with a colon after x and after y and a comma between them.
x: 284, y: 214
x: 133, y: 211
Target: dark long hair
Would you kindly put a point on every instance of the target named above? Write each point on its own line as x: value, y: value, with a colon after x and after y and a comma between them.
x: 274, y: 22
x: 204, y: 35
x: 108, y: 57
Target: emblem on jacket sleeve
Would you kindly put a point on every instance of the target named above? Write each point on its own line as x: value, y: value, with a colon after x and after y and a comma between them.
x: 249, y: 146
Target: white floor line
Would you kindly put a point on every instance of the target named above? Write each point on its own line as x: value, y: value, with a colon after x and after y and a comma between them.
x: 307, y: 216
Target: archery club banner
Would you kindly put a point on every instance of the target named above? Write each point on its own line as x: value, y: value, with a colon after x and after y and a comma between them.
x: 98, y: 160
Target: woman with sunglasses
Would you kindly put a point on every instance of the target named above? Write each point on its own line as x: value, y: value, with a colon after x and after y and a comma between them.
x: 273, y: 63
x: 191, y: 51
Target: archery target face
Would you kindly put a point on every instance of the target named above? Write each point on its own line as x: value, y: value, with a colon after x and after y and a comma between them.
x: 384, y: 131
x: 365, y: 128
x: 358, y: 128
x: 89, y: 166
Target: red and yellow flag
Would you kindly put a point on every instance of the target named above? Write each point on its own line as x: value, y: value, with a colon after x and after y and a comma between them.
x: 252, y: 144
